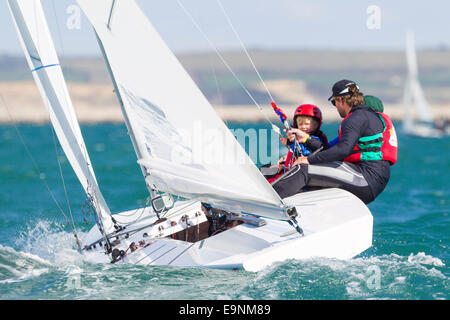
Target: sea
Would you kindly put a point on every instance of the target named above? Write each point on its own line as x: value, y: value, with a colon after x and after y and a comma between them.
x: 409, y: 258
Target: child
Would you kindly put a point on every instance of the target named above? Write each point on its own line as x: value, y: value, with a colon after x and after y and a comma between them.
x: 306, y: 129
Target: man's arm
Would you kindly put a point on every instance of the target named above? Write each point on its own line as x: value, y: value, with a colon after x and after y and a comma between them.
x: 314, y: 144
x: 352, y: 128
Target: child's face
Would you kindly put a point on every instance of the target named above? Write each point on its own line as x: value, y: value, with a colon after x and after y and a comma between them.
x: 307, y: 124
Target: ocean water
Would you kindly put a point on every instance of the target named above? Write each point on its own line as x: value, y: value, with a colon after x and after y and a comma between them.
x: 409, y: 258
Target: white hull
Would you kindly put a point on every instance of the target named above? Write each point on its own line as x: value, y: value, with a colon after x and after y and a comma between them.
x: 336, y: 224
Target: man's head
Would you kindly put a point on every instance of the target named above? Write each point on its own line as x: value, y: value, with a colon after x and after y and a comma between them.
x: 346, y: 95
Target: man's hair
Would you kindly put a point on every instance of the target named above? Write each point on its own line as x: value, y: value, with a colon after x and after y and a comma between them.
x: 356, y: 97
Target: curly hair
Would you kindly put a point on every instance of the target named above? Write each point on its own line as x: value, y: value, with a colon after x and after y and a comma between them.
x: 355, y: 98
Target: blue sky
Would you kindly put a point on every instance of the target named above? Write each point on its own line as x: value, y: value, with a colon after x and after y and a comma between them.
x: 264, y: 24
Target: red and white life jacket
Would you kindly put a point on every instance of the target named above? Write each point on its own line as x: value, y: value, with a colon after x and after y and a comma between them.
x: 381, y: 146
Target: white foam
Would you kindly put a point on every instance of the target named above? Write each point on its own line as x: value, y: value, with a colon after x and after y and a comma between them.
x: 422, y: 258
x: 25, y: 275
x: 48, y: 241
x: 24, y: 255
x: 22, y: 265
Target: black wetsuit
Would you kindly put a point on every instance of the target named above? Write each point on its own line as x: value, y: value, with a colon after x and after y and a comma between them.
x: 365, y: 179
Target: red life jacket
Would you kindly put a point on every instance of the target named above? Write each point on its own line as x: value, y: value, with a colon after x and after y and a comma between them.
x: 287, y: 166
x: 381, y: 146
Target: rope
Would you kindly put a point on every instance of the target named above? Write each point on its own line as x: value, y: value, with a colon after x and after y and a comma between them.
x: 74, y: 123
x: 62, y: 177
x: 274, y: 127
x: 72, y: 120
x: 41, y: 175
x: 243, y: 47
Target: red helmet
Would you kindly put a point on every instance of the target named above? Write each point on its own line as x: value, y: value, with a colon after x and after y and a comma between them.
x: 308, y: 110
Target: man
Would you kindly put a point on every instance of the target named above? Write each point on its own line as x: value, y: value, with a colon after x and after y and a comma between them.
x: 360, y: 162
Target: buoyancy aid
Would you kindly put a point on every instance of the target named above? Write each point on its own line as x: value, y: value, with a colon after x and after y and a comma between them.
x: 381, y: 146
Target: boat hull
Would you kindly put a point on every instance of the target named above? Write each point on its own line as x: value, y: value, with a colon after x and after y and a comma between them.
x: 336, y: 224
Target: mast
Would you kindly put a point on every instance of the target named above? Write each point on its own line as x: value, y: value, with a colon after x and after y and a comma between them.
x: 37, y: 44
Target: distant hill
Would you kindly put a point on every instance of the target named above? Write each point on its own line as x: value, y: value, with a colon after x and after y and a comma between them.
x: 291, y: 74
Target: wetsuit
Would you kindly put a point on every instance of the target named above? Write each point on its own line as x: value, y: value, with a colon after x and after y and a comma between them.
x: 366, y: 179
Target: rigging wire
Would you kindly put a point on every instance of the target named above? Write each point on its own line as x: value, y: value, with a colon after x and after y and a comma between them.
x: 274, y: 127
x: 62, y: 178
x: 73, y: 120
x: 244, y: 48
x: 41, y: 174
x: 90, y: 178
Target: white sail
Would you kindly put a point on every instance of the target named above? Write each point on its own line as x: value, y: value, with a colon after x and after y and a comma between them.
x: 413, y: 90
x: 185, y: 147
x: 43, y: 61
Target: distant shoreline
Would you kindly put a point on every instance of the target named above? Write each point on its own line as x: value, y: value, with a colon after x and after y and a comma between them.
x: 233, y: 113
x: 20, y: 102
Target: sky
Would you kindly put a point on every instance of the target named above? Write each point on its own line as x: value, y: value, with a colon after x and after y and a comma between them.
x: 260, y: 24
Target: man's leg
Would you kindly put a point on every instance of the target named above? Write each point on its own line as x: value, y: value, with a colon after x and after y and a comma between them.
x: 291, y: 182
x: 336, y: 174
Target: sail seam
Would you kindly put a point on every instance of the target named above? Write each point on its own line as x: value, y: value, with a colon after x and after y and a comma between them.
x: 47, y: 66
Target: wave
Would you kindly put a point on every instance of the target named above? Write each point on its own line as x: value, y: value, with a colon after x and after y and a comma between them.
x: 50, y: 241
x: 388, y: 276
x: 46, y: 256
x: 41, y: 249
x: 18, y: 266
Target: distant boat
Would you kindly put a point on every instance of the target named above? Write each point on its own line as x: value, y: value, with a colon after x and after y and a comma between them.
x: 418, y: 117
x: 226, y: 215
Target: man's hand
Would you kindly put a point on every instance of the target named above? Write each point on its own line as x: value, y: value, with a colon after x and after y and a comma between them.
x: 301, y: 160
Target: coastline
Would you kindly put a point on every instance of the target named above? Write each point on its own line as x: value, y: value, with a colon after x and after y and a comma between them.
x: 20, y: 102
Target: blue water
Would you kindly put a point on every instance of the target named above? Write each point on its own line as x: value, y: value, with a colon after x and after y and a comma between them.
x: 409, y: 258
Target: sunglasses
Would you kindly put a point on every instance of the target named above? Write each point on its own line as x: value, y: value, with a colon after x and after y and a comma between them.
x: 333, y: 102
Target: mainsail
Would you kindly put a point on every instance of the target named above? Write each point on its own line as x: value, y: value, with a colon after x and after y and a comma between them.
x: 182, y: 143
x: 43, y: 61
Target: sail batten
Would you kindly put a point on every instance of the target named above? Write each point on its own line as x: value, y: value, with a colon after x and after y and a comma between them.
x: 176, y: 130
x: 31, y: 25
